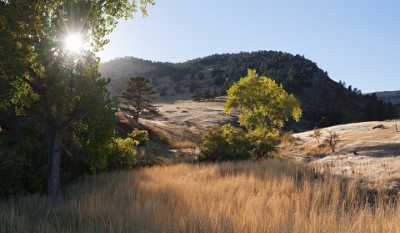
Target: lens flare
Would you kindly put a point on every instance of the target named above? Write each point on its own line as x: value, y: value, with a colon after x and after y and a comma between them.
x: 73, y: 43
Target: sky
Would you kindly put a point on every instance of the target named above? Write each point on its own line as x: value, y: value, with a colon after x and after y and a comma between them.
x: 357, y: 41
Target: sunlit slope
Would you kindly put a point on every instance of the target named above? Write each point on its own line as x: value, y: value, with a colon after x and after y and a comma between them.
x: 368, y: 150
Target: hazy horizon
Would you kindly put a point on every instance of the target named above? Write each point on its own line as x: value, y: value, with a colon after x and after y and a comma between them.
x: 353, y: 41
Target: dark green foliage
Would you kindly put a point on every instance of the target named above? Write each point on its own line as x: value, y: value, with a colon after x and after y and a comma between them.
x: 324, y: 101
x: 378, y: 109
x: 22, y: 161
x: 389, y: 97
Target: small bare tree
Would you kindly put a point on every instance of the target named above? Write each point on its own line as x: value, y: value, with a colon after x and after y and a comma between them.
x: 332, y: 140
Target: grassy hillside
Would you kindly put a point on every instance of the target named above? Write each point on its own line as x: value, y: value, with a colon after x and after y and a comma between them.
x: 247, y: 197
x: 367, y: 150
x: 324, y: 101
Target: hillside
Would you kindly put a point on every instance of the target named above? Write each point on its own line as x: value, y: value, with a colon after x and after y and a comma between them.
x: 367, y: 150
x: 324, y: 101
x: 389, y: 96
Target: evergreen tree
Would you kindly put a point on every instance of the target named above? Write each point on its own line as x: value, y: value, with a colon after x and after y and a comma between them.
x: 138, y: 97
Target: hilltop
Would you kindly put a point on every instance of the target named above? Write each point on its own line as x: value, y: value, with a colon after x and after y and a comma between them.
x: 324, y: 101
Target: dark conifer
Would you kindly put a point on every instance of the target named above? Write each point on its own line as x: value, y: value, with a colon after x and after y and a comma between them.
x: 138, y: 97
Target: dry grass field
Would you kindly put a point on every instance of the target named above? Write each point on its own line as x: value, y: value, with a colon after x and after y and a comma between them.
x: 247, y: 197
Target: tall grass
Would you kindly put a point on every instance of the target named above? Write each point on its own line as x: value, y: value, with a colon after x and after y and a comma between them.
x: 269, y: 196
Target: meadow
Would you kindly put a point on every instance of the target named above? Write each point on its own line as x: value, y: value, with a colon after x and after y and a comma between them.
x: 244, y: 197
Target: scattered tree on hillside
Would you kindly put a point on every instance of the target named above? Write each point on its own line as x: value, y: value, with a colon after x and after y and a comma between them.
x: 332, y: 140
x: 138, y: 97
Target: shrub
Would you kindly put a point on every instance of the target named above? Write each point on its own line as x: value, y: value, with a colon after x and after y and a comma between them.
x: 225, y: 143
x: 141, y: 136
x: 263, y: 143
x: 122, y: 153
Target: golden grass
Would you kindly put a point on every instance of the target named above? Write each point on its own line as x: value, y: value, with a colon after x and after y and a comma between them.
x: 246, y: 197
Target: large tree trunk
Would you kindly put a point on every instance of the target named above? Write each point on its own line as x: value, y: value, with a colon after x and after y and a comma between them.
x: 54, y: 157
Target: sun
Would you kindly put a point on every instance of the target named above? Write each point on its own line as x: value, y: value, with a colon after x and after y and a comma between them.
x: 74, y: 43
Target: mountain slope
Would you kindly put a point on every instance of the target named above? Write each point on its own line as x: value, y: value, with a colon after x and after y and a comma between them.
x: 324, y: 101
x: 389, y: 96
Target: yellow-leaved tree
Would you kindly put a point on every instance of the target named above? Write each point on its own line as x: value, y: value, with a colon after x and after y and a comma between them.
x: 262, y: 103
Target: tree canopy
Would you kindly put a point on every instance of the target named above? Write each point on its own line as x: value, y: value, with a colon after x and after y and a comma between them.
x: 262, y: 103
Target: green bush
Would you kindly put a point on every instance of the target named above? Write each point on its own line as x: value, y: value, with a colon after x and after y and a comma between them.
x: 141, y: 136
x: 263, y: 143
x: 225, y: 143
x: 122, y: 153
x: 230, y: 143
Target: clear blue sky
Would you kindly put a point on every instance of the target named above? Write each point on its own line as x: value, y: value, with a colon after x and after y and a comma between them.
x: 357, y: 41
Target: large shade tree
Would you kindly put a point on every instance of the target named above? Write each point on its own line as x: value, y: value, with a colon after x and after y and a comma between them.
x: 46, y: 84
x: 264, y: 107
